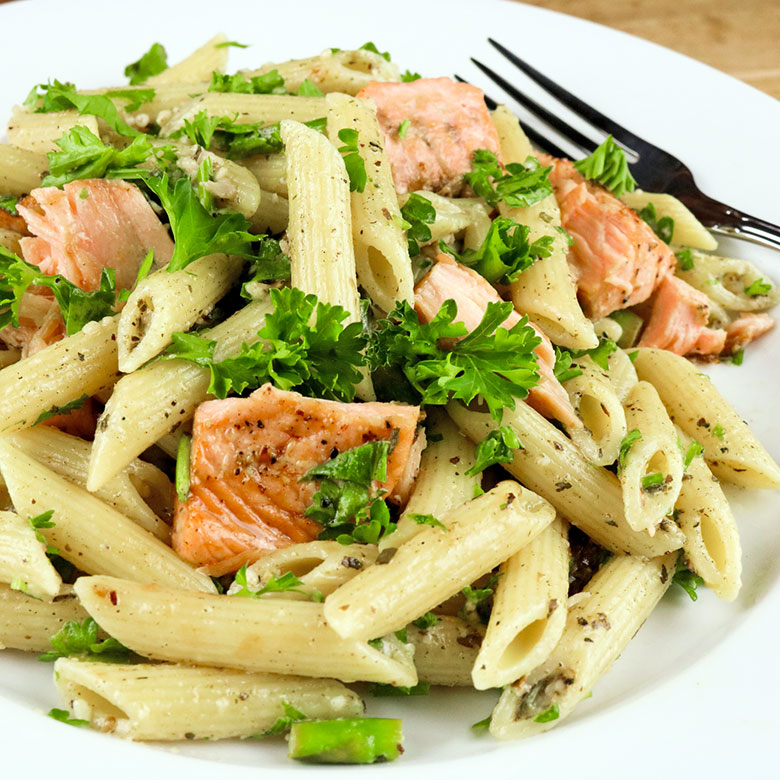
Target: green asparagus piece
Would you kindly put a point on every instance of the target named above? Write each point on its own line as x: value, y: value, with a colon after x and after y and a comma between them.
x: 346, y: 741
x: 631, y: 324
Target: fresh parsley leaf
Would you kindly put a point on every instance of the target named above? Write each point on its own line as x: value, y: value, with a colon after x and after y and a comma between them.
x: 418, y: 212
x: 401, y: 635
x: 628, y: 441
x: 76, y: 638
x: 408, y: 76
x: 288, y: 582
x: 684, y: 259
x: 383, y: 690
x: 497, y: 447
x: 403, y: 128
x: 8, y: 203
x: 303, y: 344
x: 234, y: 139
x: 522, y: 185
x: 269, y: 264
x: 689, y: 581
x: 505, y: 253
x: 183, y: 452
x: 562, y: 370
x: 17, y: 583
x: 717, y: 430
x: 694, y: 450
x: 372, y: 47
x: 346, y: 504
x: 77, y: 306
x: 426, y: 621
x: 77, y: 403
x: 758, y: 287
x: 492, y: 362
x: 64, y: 717
x: 63, y: 97
x: 353, y: 162
x: 270, y: 83
x: 85, y: 156
x: 654, y: 480
x: 427, y: 520
x: 738, y: 357
x: 150, y: 64
x: 551, y: 713
x: 663, y: 227
x: 476, y: 596
x: 235, y: 44
x: 608, y: 166
x: 310, y: 89
x: 282, y: 724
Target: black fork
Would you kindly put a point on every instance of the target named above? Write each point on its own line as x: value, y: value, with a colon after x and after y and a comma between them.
x: 654, y: 169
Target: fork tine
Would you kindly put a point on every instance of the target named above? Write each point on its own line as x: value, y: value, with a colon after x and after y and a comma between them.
x: 595, y: 117
x: 534, y: 136
x: 565, y: 129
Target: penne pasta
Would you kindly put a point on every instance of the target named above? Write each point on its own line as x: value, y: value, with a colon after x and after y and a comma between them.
x: 21, y: 170
x: 198, y: 65
x: 170, y: 701
x: 90, y: 534
x: 445, y: 652
x: 733, y: 454
x: 588, y: 496
x: 438, y: 562
x: 529, y: 610
x: 40, y: 132
x: 251, y: 634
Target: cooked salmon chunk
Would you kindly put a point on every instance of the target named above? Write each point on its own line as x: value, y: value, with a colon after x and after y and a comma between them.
x: 472, y: 293
x: 91, y: 225
x: 444, y: 123
x: 616, y: 257
x: 746, y: 328
x: 678, y: 321
x: 248, y: 457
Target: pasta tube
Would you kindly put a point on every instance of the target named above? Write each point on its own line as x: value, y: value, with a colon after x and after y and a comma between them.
x: 23, y: 561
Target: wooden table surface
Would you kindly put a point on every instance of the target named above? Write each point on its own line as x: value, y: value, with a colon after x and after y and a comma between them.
x: 739, y: 37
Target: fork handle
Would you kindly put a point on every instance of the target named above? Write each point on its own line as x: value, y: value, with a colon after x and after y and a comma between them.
x: 721, y: 218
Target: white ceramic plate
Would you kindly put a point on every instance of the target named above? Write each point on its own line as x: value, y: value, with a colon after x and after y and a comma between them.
x: 696, y: 691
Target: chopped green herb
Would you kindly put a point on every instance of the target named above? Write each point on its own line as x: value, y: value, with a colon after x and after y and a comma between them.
x: 284, y: 723
x: 408, y: 76
x: 150, y: 64
x: 418, y: 212
x: 717, y: 430
x: 551, y: 713
x: 353, y: 162
x: 43, y: 520
x: 8, y: 203
x: 372, y: 47
x: 310, y: 89
x: 497, y: 447
x: 401, y: 636
x: 426, y: 621
x: 482, y: 725
x: 17, y: 583
x: 650, y: 481
x: 403, y: 128
x: 64, y: 717
x: 478, y: 595
x: 625, y: 446
x: 663, y: 227
x: 270, y: 83
x: 76, y: 638
x: 382, y: 690
x: 505, y: 253
x: 608, y: 166
x: 235, y: 44
x: 694, y: 450
x: 689, y: 581
x: 287, y: 583
x: 426, y: 520
x: 758, y: 287
x: 64, y: 409
x: 522, y: 184
x: 738, y: 357
x: 684, y: 259
x: 563, y: 370
x: 497, y: 364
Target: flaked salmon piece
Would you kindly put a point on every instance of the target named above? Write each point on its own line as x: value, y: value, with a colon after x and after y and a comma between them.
x: 90, y: 225
x: 472, y: 293
x: 678, y: 321
x: 248, y: 456
x: 79, y: 422
x: 40, y: 323
x: 10, y: 222
x: 447, y: 123
x: 616, y: 257
x: 746, y: 328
